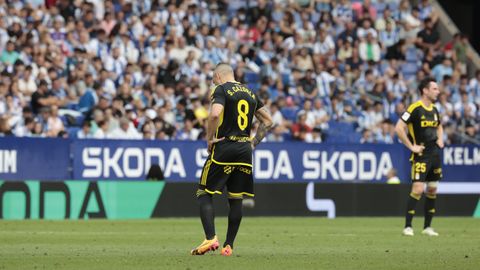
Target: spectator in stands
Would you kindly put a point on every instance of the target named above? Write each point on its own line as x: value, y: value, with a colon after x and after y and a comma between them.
x: 442, y: 69
x: 84, y: 132
x: 471, y: 136
x: 5, y: 129
x: 386, y: 19
x: 107, y: 56
x: 9, y: 55
x: 148, y: 131
x: 392, y: 177
x: 461, y: 54
x: 388, y: 36
x: 428, y: 38
x: 369, y: 49
x: 385, y: 133
x: 276, y: 134
x: 300, y: 130
x: 367, y: 136
x: 54, y: 123
x: 307, y: 87
x: 42, y: 97
x: 427, y: 11
x: 126, y: 130
x: 188, y: 132
x: 464, y: 107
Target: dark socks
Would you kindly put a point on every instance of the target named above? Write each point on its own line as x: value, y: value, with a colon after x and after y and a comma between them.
x: 234, y: 219
x: 411, y: 205
x: 207, y: 215
x: 429, y: 209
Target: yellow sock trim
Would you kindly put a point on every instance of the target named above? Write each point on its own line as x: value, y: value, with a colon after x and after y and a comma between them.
x: 415, y: 196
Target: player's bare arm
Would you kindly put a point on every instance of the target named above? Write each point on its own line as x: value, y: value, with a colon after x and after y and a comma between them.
x: 440, y: 142
x: 213, y: 120
x: 266, y: 123
x: 401, y: 130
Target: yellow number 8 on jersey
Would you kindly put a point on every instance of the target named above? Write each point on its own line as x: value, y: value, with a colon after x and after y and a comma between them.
x: 242, y: 119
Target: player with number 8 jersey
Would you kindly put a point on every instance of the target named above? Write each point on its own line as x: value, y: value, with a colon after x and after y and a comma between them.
x: 229, y: 164
x: 240, y: 104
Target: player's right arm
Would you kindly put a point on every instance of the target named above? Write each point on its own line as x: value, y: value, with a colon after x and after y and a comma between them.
x: 266, y: 123
x: 401, y: 130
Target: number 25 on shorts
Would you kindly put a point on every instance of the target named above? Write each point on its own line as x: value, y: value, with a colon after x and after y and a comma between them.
x: 420, y: 167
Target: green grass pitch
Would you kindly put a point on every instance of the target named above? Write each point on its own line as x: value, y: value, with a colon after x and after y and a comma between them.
x: 262, y: 243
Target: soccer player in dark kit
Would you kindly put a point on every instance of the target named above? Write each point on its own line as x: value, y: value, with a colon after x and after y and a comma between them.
x: 425, y: 139
x: 230, y: 146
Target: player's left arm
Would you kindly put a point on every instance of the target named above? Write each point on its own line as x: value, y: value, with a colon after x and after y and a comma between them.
x: 217, y: 104
x: 266, y: 123
x: 216, y: 110
x: 440, y: 142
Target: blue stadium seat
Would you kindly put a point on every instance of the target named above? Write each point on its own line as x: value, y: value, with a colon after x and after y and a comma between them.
x: 251, y: 77
x: 412, y: 55
x: 409, y: 70
x: 286, y: 79
x: 80, y: 120
x: 354, y: 137
x: 72, y: 132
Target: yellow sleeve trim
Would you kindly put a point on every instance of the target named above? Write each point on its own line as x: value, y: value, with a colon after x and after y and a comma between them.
x: 413, y: 106
x: 213, y: 90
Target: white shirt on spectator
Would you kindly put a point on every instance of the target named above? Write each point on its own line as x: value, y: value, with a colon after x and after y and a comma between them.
x: 277, y: 118
x: 324, y: 47
x: 155, y: 56
x: 363, y: 51
x: 27, y: 85
x: 130, y: 134
x: 460, y: 107
x: 99, y: 134
x: 388, y: 39
x: 116, y: 66
x: 399, y: 87
x: 127, y: 50
x: 191, y: 135
x: 324, y: 79
x: 82, y: 135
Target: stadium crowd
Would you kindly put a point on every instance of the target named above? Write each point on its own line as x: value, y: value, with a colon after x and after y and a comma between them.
x: 329, y: 70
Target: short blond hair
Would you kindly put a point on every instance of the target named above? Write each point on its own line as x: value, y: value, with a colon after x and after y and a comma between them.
x: 222, y: 69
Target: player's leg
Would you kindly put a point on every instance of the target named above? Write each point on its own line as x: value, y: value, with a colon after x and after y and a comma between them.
x: 239, y: 184
x: 212, y: 181
x: 234, y: 219
x: 434, y: 175
x: 431, y: 197
x: 207, y: 215
x: 418, y: 176
x: 413, y: 198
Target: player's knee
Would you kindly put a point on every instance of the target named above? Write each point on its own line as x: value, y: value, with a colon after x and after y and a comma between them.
x: 432, y: 188
x: 418, y: 190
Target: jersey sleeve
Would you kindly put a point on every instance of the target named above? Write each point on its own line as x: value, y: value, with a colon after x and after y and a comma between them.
x: 259, y: 102
x: 408, y: 115
x: 218, y: 95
